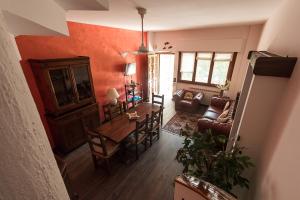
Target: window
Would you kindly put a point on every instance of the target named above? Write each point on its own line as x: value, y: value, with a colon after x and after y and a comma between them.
x: 207, y: 68
x: 187, y: 66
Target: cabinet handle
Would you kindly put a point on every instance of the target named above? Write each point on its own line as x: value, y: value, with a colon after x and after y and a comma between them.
x: 182, y: 199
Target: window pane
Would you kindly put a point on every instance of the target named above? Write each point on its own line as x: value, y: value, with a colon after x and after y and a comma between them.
x: 220, y: 70
x: 202, y: 71
x: 204, y: 56
x: 62, y: 85
x: 83, y: 83
x: 187, y: 76
x: 187, y: 62
x: 223, y: 56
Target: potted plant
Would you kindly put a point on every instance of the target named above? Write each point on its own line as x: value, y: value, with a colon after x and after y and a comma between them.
x: 204, y: 156
x: 223, y: 87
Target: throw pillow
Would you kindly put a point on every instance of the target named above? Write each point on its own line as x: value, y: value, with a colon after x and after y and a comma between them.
x: 226, y: 105
x: 222, y: 120
x: 224, y: 113
x: 188, y: 96
x: 223, y: 117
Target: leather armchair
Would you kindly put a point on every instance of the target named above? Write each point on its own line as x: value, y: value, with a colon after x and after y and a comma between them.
x: 215, y: 126
x: 187, y: 105
x: 218, y: 101
x: 209, y: 119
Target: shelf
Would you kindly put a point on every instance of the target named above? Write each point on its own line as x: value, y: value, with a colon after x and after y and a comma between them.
x: 268, y: 64
x: 134, y: 92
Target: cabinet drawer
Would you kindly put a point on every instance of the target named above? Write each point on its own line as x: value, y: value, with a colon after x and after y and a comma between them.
x: 73, y: 135
x: 68, y: 129
x: 90, y: 109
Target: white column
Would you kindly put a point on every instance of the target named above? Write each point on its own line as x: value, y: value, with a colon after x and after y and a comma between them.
x: 27, y: 166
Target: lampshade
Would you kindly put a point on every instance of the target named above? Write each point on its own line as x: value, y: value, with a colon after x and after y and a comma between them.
x: 130, y: 69
x: 112, y: 94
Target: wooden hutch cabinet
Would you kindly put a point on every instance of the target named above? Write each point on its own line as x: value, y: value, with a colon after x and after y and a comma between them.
x: 66, y: 88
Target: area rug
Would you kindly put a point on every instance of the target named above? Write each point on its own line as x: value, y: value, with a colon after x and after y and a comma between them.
x: 180, y: 119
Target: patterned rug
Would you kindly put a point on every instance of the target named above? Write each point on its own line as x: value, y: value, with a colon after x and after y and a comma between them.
x: 180, y: 119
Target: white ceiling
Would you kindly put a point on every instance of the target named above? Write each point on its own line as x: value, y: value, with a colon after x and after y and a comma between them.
x: 83, y: 4
x: 177, y: 14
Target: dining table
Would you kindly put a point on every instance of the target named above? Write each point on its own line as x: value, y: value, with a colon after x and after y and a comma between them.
x: 121, y: 126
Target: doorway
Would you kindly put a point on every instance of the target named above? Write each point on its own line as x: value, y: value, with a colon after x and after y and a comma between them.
x: 160, y: 77
x: 166, y: 74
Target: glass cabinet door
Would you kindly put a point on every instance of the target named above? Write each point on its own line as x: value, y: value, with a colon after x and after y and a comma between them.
x: 82, y: 81
x: 62, y: 85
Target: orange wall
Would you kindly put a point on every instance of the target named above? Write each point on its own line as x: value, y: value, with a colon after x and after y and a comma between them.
x: 102, y: 44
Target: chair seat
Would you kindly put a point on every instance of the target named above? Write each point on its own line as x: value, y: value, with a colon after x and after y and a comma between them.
x: 111, y: 148
x: 141, y: 138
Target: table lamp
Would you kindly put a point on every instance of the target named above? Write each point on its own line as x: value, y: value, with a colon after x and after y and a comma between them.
x: 112, y: 96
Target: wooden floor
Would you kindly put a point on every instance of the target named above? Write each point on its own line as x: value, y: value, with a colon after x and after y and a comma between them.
x: 169, y: 110
x: 149, y: 178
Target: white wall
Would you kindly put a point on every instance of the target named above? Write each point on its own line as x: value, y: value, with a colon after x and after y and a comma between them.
x: 264, y: 95
x: 28, y: 169
x: 278, y: 174
x: 34, y: 17
x: 239, y: 39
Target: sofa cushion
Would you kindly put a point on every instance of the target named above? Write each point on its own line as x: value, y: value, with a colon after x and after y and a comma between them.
x: 223, y: 117
x: 226, y: 107
x: 215, y: 109
x: 188, y: 96
x: 222, y: 120
x: 224, y: 114
x: 185, y: 103
x: 211, y: 115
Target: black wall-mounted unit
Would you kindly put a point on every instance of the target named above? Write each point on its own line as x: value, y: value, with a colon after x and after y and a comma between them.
x: 268, y: 64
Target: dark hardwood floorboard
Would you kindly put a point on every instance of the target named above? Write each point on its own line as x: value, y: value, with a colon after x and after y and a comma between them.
x: 149, y: 178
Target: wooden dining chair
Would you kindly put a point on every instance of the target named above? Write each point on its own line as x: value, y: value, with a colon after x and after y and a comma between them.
x: 140, y: 135
x: 101, y: 148
x: 155, y: 124
x: 160, y: 100
x: 127, y: 106
x: 111, y: 111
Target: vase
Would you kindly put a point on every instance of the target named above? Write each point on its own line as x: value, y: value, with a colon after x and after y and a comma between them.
x: 221, y: 93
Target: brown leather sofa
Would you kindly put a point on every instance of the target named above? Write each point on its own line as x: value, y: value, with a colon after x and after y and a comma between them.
x: 191, y: 106
x: 209, y: 119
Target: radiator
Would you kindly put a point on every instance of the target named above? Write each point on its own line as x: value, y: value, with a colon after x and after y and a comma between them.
x: 208, y: 93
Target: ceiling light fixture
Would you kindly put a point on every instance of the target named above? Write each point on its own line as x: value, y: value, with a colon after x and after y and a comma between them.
x: 142, y: 48
x: 142, y: 12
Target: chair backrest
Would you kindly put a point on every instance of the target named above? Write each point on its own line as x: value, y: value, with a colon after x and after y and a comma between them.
x: 155, y: 118
x: 142, y: 126
x: 111, y: 111
x: 96, y: 142
x: 158, y: 99
x: 134, y: 93
x: 127, y: 105
x: 137, y: 102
